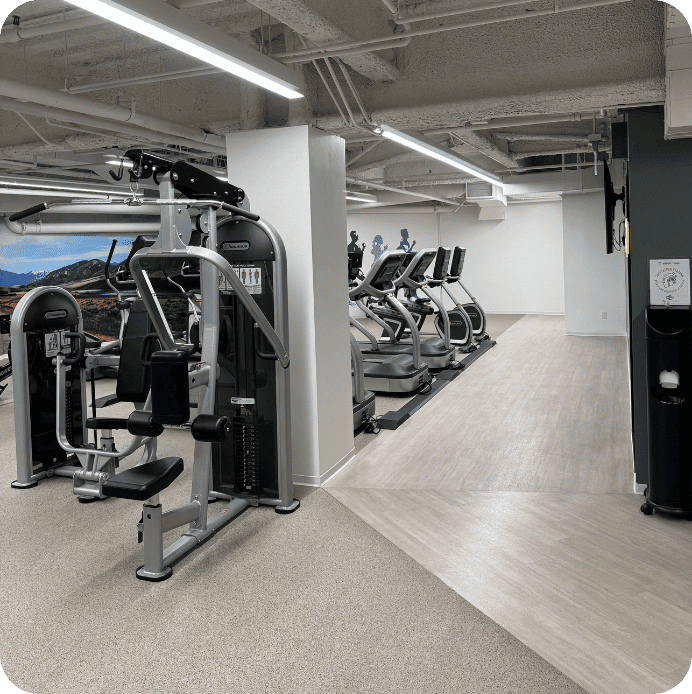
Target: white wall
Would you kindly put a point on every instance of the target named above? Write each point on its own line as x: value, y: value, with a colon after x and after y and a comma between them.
x: 594, y: 281
x: 512, y: 266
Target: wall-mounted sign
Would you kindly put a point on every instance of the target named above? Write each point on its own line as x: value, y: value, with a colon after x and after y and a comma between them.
x: 669, y: 282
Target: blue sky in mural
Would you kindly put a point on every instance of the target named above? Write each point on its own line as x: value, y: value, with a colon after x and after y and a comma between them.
x: 23, y: 254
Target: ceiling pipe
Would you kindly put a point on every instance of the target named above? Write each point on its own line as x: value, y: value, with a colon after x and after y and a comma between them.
x: 513, y: 121
x: 130, y: 131
x: 143, y: 141
x: 363, y: 152
x: 423, y: 11
x: 144, y: 79
x: 379, y: 186
x: 395, y: 11
x: 305, y: 55
x: 120, y: 114
x: 553, y: 152
x: 310, y: 53
x: 14, y: 34
x: 58, y: 23
x: 190, y: 73
x: 543, y: 138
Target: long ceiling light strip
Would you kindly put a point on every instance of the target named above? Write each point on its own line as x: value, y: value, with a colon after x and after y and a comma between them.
x: 430, y: 148
x: 160, y: 22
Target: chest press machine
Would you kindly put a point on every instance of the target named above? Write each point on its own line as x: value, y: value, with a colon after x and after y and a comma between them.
x: 242, y: 429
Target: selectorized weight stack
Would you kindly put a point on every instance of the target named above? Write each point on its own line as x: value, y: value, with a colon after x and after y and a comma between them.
x: 246, y: 390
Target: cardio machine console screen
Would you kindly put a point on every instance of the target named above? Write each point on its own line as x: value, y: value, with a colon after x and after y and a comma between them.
x: 386, y: 273
x: 457, y: 261
x: 441, y: 263
x: 423, y: 264
x: 355, y: 263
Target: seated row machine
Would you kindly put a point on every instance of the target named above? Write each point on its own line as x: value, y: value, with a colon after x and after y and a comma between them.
x: 242, y: 428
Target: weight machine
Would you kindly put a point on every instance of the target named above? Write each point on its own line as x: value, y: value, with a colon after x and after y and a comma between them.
x: 241, y: 374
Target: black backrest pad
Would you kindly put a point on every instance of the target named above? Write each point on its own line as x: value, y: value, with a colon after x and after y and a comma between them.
x: 457, y: 261
x: 133, y: 377
x: 170, y: 389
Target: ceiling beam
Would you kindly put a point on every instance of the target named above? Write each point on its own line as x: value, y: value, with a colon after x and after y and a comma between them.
x: 486, y: 147
x: 304, y: 19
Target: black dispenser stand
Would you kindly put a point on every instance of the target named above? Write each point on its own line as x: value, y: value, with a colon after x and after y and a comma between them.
x: 669, y: 409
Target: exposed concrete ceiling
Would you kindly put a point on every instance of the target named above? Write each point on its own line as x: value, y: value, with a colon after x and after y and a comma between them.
x: 572, y: 62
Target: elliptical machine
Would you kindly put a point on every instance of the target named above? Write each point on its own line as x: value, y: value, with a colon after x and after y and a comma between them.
x: 463, y: 314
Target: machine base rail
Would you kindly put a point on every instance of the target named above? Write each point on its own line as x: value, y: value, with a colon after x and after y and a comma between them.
x: 393, y: 420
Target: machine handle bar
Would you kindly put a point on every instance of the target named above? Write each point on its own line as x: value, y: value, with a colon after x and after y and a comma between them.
x: 240, y: 212
x: 29, y: 212
x: 81, y: 337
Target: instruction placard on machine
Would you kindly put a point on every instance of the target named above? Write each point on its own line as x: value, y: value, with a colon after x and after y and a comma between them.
x: 669, y: 282
x: 55, y: 341
x: 251, y: 277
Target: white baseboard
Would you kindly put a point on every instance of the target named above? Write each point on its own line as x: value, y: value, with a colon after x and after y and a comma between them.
x: 578, y: 334
x: 526, y: 313
x: 318, y: 481
x: 335, y: 469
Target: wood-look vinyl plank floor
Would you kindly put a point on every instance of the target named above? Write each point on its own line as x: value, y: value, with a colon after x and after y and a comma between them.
x: 585, y: 580
x: 514, y: 487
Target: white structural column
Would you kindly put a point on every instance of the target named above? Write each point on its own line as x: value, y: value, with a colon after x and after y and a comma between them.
x: 294, y: 178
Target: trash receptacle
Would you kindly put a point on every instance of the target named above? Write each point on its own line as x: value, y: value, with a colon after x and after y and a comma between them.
x: 669, y: 409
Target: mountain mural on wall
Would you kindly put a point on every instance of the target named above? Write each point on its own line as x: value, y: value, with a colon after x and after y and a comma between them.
x: 77, y: 272
x: 9, y: 279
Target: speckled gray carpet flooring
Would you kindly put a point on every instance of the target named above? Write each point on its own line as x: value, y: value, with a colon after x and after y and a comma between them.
x: 314, y: 602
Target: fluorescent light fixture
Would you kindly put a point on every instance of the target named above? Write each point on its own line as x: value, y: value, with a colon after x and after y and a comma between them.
x: 424, y: 145
x: 360, y: 197
x: 160, y: 22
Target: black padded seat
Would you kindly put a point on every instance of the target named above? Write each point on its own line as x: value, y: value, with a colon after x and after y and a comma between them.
x: 105, y: 423
x: 144, y: 481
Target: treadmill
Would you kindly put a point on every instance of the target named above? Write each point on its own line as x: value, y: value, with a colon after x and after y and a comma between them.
x: 388, y: 373
x: 437, y: 352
